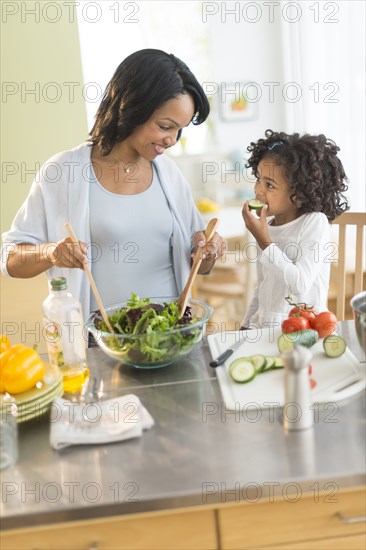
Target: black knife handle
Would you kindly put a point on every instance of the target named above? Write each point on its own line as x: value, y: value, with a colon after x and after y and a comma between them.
x: 221, y: 358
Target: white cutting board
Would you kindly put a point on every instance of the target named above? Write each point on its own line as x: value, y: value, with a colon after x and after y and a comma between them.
x: 336, y: 378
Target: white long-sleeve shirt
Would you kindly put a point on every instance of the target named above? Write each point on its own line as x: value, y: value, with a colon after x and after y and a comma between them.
x: 296, y: 263
x: 60, y: 194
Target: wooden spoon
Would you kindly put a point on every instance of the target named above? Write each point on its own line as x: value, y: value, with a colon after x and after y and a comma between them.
x: 197, y: 260
x: 91, y: 280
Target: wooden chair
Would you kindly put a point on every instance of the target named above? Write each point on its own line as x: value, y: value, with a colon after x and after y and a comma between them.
x: 346, y: 219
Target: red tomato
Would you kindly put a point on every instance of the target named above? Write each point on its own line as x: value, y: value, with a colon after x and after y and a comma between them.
x: 293, y: 324
x: 310, y: 370
x: 307, y: 313
x: 312, y: 383
x: 325, y: 323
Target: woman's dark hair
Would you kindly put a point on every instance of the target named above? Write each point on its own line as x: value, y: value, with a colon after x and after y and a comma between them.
x: 315, y: 173
x: 142, y: 83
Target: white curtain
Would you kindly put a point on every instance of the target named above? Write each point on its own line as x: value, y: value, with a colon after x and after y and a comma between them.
x: 324, y: 58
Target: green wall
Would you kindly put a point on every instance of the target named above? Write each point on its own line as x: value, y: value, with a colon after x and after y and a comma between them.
x: 34, y: 53
x: 41, y: 54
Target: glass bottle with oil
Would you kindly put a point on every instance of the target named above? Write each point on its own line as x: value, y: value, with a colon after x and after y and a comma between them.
x: 64, y: 333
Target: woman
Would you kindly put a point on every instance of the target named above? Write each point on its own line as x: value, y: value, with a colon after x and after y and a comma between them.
x: 128, y: 204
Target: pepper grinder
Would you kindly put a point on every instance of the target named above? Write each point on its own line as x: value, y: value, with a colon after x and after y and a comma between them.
x: 298, y: 413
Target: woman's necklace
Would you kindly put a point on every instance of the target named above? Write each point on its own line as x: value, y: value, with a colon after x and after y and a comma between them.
x: 126, y: 167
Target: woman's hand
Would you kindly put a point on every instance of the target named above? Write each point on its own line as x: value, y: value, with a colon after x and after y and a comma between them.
x: 257, y: 225
x: 66, y: 254
x: 211, y: 250
x: 27, y: 260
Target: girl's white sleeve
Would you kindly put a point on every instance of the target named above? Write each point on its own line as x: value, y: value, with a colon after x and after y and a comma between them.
x: 309, y: 254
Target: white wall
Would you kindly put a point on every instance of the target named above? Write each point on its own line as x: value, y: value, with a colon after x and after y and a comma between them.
x: 241, y: 51
x: 284, y: 48
x: 215, y: 47
x: 247, y: 52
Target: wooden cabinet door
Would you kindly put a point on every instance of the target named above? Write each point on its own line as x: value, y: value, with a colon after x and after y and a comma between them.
x: 172, y: 531
x: 354, y: 542
x: 280, y: 522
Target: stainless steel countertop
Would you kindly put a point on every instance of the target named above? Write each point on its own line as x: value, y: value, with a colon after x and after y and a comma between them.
x: 197, y: 453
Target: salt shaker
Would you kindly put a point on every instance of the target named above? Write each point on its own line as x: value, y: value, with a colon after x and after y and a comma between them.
x: 297, y: 413
x: 8, y: 431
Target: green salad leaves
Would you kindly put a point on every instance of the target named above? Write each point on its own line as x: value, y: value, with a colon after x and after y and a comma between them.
x: 145, y: 331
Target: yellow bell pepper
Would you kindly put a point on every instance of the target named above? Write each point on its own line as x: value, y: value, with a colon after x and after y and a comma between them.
x: 5, y: 354
x: 4, y: 343
x: 4, y: 346
x: 20, y: 369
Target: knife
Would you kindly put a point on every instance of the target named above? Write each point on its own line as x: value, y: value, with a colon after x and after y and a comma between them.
x: 226, y: 354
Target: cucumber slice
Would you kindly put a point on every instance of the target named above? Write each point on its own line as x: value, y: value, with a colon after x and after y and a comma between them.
x: 279, y: 364
x: 255, y: 204
x: 273, y: 362
x: 242, y: 370
x: 334, y: 346
x: 271, y: 359
x: 259, y: 361
x: 307, y: 338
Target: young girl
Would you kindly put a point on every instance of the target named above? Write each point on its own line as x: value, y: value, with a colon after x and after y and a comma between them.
x: 300, y: 179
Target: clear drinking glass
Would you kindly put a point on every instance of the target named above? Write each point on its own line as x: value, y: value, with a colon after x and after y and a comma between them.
x: 8, y: 431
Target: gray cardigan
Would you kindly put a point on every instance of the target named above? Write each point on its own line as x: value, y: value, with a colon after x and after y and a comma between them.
x: 60, y: 193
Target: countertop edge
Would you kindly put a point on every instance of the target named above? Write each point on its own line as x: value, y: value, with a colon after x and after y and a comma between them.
x: 292, y: 490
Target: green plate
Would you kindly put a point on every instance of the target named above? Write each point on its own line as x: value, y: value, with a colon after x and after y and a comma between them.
x: 51, y: 380
x: 37, y: 410
x: 29, y: 405
x: 36, y: 401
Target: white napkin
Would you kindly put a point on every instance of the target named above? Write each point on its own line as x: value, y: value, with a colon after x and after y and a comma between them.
x: 97, y: 422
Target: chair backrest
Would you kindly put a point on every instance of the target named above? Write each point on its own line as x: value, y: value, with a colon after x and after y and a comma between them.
x: 359, y: 220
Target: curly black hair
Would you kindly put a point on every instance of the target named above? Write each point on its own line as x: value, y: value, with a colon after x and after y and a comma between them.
x: 315, y: 173
x: 142, y: 83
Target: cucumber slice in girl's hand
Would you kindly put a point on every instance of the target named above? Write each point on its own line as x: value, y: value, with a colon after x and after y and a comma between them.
x: 242, y: 370
x: 255, y: 204
x: 334, y: 345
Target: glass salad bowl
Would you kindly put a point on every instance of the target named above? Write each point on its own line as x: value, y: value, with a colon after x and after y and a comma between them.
x: 148, y: 332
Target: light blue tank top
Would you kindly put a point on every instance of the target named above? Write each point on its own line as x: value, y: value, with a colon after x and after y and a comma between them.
x: 131, y: 244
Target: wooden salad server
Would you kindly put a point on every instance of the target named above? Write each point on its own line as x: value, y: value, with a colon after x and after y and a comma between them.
x: 91, y: 280
x: 197, y: 260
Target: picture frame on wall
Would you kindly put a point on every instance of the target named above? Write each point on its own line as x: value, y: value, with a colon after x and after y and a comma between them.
x: 238, y: 101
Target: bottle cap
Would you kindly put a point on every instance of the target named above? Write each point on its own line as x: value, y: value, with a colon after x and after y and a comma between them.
x: 59, y: 283
x: 297, y: 358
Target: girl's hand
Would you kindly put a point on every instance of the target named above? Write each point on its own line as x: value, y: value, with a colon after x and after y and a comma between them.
x: 66, y: 254
x: 257, y: 225
x: 211, y: 251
